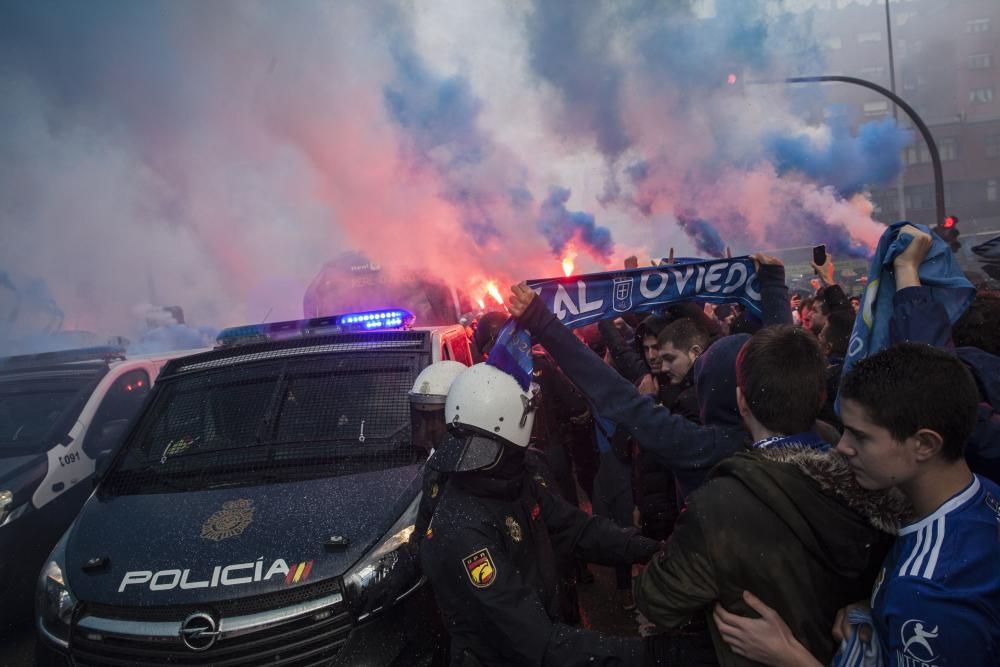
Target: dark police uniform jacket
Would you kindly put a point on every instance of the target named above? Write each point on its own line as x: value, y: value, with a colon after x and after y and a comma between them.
x: 490, y: 555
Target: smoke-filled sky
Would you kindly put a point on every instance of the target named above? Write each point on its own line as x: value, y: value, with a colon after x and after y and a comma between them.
x: 215, y: 155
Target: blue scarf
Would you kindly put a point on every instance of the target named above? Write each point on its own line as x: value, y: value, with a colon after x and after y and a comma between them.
x: 581, y: 300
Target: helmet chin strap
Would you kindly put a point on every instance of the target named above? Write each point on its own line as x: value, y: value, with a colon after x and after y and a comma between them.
x: 529, y: 405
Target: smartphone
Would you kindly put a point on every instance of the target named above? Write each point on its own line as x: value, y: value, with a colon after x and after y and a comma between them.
x: 819, y: 255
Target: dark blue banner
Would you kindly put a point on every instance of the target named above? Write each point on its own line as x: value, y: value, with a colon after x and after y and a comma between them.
x: 581, y: 300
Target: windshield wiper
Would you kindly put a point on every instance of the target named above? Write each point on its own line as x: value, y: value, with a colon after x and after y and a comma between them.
x: 153, y: 472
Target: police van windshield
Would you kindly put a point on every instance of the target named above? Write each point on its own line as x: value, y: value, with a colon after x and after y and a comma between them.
x: 272, y: 421
x: 33, y: 412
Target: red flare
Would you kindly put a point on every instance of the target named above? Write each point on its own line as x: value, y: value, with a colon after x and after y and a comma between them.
x: 568, y: 262
x: 491, y: 289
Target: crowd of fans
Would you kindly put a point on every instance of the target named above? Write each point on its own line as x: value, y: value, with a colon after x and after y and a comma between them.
x: 719, y: 436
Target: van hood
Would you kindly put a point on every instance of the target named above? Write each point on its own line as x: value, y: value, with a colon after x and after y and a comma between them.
x: 199, y: 547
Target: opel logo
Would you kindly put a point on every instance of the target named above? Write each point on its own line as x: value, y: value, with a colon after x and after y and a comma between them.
x: 199, y: 632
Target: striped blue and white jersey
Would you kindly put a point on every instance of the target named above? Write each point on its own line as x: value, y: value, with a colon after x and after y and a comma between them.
x: 936, y: 601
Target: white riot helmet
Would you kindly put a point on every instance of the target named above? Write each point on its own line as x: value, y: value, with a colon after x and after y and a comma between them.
x: 486, y: 409
x: 427, y: 400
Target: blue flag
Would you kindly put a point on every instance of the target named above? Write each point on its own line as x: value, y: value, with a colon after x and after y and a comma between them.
x: 581, y: 300
x: 939, y: 271
x: 512, y: 354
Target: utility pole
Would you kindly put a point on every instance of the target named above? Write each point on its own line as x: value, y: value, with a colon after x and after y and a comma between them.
x: 895, y: 109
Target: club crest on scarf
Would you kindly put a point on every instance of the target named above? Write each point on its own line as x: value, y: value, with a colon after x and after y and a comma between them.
x: 622, y: 302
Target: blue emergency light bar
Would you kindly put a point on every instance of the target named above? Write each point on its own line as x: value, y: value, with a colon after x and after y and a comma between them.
x: 374, y: 320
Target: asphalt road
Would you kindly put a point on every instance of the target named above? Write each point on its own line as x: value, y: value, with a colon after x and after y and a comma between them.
x: 17, y: 646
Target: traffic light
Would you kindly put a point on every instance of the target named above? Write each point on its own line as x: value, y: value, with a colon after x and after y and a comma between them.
x: 733, y: 79
x: 948, y: 230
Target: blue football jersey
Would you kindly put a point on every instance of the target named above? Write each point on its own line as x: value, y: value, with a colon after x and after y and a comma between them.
x: 936, y: 602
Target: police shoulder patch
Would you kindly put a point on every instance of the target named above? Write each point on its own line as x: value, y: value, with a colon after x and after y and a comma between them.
x: 480, y: 568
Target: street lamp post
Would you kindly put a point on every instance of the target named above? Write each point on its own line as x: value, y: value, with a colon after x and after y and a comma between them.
x: 908, y: 110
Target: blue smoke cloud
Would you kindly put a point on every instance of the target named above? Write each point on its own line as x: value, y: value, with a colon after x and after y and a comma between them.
x: 697, y: 55
x: 439, y: 116
x: 705, y: 237
x: 803, y: 227
x: 848, y: 163
x: 560, y: 227
x: 436, y: 112
x: 565, y: 52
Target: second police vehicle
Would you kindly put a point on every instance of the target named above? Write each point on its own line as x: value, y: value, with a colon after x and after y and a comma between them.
x: 62, y: 414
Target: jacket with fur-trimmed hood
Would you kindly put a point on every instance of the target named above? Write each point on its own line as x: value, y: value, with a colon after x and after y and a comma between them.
x: 789, y: 524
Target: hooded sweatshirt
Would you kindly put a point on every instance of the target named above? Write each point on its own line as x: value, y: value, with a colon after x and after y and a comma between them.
x: 791, y: 525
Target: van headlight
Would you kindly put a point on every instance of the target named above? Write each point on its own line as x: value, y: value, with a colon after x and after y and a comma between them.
x: 388, y: 572
x: 54, y: 602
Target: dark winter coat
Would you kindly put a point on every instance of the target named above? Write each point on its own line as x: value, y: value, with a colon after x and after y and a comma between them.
x: 791, y: 525
x: 685, y: 403
x: 490, y: 553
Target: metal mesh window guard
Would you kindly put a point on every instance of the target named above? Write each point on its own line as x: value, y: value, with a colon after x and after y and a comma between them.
x: 273, y: 419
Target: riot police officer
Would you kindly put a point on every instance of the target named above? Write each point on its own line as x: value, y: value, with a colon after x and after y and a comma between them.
x: 428, y: 428
x: 490, y: 549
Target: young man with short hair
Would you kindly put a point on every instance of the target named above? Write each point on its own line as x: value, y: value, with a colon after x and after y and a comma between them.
x: 680, y: 344
x: 908, y: 412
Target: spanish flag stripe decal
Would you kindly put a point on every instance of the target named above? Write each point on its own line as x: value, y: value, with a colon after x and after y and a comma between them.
x: 290, y: 576
x: 298, y: 573
x: 305, y: 572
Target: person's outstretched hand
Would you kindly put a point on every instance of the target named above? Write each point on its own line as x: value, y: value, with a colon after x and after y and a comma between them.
x: 766, y: 639
x: 824, y: 271
x: 521, y: 297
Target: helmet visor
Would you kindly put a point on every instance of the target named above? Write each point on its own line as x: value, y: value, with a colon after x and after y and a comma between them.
x: 462, y: 451
x: 427, y: 426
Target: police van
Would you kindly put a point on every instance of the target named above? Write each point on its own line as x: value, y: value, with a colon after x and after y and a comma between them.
x: 61, y: 413
x: 260, y: 509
